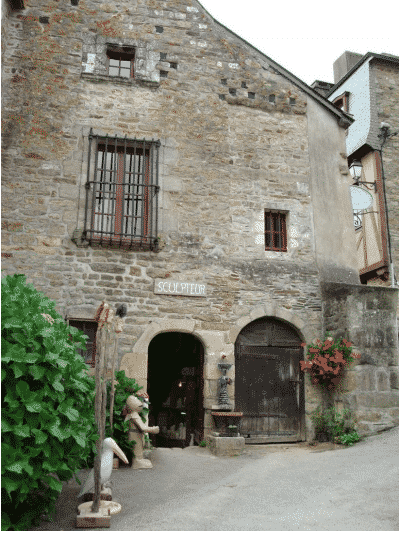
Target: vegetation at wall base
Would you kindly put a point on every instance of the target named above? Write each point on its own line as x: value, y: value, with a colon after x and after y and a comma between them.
x: 339, y: 427
x: 48, y: 424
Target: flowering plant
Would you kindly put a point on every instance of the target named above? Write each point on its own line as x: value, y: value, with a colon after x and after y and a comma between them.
x: 326, y: 360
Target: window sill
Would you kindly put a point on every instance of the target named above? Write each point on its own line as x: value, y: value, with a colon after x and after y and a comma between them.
x: 130, y: 82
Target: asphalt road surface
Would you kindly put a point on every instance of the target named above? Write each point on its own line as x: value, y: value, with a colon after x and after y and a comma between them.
x: 288, y: 487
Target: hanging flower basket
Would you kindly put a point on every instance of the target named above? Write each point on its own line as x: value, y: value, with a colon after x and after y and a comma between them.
x: 326, y: 361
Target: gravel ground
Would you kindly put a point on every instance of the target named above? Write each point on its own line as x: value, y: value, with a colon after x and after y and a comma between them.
x: 285, y: 487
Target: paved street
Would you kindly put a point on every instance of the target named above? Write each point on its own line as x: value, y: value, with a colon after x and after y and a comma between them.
x: 286, y: 487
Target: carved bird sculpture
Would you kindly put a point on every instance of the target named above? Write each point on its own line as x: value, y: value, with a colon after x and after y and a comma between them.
x: 107, y: 453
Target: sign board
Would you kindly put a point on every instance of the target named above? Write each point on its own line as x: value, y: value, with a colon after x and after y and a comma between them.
x: 180, y: 288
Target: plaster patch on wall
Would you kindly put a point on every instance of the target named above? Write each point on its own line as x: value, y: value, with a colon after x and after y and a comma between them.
x: 203, y: 26
x: 192, y: 9
x: 233, y: 65
x: 89, y: 65
x: 302, y: 187
x: 219, y: 64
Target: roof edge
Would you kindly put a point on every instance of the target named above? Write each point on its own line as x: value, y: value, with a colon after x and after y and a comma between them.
x: 393, y: 59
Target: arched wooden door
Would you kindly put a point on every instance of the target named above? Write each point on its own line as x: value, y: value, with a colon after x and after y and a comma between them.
x: 269, y: 387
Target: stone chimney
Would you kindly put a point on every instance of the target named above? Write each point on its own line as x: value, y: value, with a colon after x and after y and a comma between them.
x: 344, y: 63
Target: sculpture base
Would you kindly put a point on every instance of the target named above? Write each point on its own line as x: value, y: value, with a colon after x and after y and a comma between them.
x: 87, y: 519
x: 141, y: 463
x: 222, y: 407
x: 226, y: 446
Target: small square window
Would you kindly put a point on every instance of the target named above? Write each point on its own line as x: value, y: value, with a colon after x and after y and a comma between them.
x: 221, y: 96
x: 275, y: 232
x: 232, y: 92
x: 244, y: 85
x: 163, y: 56
x: 292, y: 101
x: 252, y: 96
x: 163, y: 74
x: 121, y: 62
x: 159, y: 29
x: 89, y: 328
x: 271, y: 98
x: 224, y: 81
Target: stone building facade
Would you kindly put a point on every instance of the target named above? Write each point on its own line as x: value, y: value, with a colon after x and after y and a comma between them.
x: 240, y: 231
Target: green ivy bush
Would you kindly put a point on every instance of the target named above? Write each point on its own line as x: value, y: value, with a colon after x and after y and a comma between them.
x: 48, y: 424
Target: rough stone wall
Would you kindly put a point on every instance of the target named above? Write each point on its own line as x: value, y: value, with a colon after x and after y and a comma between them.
x: 386, y: 86
x: 228, y: 152
x: 366, y: 316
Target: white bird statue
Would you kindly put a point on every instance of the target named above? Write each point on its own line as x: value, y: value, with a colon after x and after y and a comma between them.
x: 107, y: 454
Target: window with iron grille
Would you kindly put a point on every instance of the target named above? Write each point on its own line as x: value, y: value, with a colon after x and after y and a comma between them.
x: 275, y: 232
x: 89, y: 328
x: 122, y: 192
x: 121, y: 61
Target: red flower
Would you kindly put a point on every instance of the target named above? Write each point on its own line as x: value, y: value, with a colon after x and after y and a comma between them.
x: 305, y: 365
x: 338, y: 357
x: 303, y: 344
x: 313, y: 350
x: 346, y: 343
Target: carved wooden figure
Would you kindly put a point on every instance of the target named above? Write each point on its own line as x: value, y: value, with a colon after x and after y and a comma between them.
x: 137, y: 428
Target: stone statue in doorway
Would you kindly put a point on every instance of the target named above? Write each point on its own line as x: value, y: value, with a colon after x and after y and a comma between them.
x: 137, y: 428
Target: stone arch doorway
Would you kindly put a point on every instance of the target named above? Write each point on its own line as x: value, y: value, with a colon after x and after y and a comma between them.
x: 175, y: 386
x: 269, y: 387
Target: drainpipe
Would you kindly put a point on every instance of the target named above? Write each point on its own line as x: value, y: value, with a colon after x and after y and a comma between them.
x: 384, y: 135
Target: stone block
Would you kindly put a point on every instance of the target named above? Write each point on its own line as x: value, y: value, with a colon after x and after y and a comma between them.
x: 368, y: 416
x: 382, y: 381
x: 366, y: 378
x: 350, y: 381
x: 135, y: 365
x: 257, y: 312
x: 394, y: 379
x: 377, y: 400
x: 108, y: 268
x: 213, y: 341
x: 226, y: 446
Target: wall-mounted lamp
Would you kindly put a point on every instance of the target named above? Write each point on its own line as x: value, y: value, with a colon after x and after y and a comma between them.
x: 385, y: 133
x: 356, y: 173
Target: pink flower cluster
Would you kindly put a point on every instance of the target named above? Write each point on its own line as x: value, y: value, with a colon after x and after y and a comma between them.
x: 327, y: 359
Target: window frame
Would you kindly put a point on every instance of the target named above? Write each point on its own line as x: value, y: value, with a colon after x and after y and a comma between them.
x: 342, y: 101
x: 129, y: 52
x: 271, y: 235
x: 89, y: 344
x: 125, y: 215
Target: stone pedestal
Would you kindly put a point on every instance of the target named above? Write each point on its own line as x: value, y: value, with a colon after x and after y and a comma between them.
x: 226, y: 446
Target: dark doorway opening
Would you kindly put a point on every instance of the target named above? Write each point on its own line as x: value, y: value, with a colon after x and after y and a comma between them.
x: 175, y: 387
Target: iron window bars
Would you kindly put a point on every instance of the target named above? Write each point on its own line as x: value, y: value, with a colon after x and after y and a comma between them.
x: 121, y: 62
x: 275, y: 232
x: 122, y: 197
